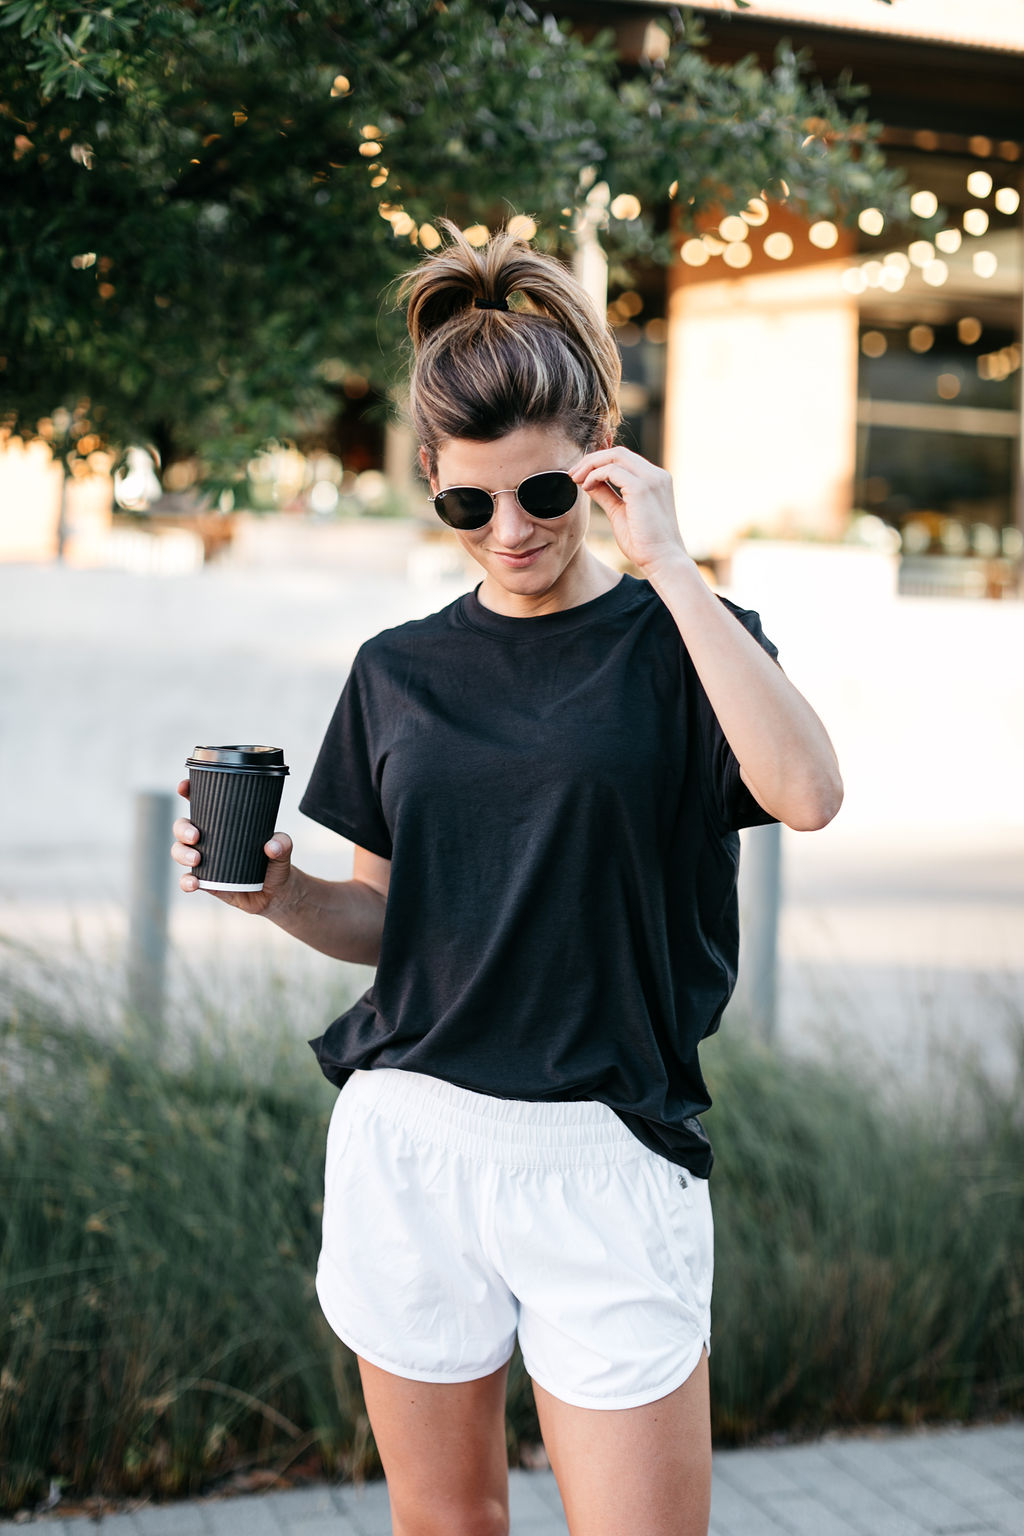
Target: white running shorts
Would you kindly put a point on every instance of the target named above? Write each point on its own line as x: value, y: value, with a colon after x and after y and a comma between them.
x: 454, y: 1221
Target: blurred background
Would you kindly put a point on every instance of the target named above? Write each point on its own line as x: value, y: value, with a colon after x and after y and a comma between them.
x: 803, y: 220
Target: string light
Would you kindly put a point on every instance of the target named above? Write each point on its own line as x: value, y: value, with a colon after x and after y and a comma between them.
x: 968, y: 330
x: 371, y: 149
x: 897, y: 259
x: 975, y: 221
x: 429, y: 237
x: 935, y: 273
x: 921, y: 338
x: 872, y: 271
x: 714, y: 247
x: 522, y: 226
x: 1007, y: 199
x: 778, y: 245
x: 756, y: 212
x: 979, y: 183
x: 948, y: 241
x: 477, y: 234
x: 924, y: 204
x: 625, y: 207
x: 823, y: 234
x: 871, y: 221
x: 737, y: 255
x: 921, y: 252
x: 695, y: 253
x: 873, y: 344
x: 853, y: 280
x: 985, y: 263
x: 341, y: 85
x: 733, y: 228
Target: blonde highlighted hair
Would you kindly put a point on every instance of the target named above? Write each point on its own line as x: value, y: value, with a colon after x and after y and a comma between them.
x: 548, y: 359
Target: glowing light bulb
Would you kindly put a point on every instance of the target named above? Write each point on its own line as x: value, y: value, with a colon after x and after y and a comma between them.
x: 935, y: 273
x: 625, y: 207
x: 871, y: 221
x: 979, y: 183
x: 823, y: 234
x: 778, y: 245
x: 924, y: 204
x: 948, y: 241
x: 733, y: 228
x: 695, y: 253
x: 921, y: 252
x: 737, y: 255
x: 1007, y: 199
x: 985, y: 263
x: 975, y: 221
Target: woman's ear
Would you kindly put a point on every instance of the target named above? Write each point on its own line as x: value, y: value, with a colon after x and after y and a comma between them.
x: 425, y: 466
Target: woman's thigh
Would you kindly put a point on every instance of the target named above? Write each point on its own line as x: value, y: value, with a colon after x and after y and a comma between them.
x: 443, y: 1450
x: 643, y: 1470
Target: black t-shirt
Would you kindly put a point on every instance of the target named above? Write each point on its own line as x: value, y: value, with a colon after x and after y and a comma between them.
x: 560, y: 808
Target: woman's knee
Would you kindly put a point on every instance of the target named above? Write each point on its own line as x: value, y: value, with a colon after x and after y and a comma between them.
x: 482, y: 1517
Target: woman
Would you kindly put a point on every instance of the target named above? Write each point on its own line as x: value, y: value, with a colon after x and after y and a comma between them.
x: 543, y: 783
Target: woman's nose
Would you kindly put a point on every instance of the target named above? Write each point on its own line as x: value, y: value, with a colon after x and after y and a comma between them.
x: 510, y: 525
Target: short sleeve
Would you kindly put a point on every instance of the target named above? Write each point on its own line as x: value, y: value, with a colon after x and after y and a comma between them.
x: 731, y: 804
x: 343, y: 792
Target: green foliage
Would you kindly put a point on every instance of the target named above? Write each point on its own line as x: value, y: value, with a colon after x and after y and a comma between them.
x: 159, y: 1229
x: 192, y: 236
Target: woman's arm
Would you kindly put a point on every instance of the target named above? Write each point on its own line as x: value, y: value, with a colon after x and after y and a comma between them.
x: 786, y: 758
x: 342, y: 918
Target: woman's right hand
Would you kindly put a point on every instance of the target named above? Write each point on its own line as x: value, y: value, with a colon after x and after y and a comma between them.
x: 279, y: 868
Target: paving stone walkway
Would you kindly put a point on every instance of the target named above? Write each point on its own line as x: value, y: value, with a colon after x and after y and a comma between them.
x: 943, y: 1482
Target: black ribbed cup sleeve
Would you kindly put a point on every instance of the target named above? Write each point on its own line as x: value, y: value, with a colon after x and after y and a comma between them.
x: 235, y: 812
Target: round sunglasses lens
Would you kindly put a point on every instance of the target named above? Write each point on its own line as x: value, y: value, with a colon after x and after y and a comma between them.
x: 548, y: 495
x: 464, y: 506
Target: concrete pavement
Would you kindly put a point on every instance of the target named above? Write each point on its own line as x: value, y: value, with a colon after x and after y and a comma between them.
x: 964, y: 1480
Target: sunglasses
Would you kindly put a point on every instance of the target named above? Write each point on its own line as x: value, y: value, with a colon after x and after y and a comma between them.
x: 548, y: 495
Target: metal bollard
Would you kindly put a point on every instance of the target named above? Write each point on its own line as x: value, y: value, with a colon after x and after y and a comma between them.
x: 151, y: 879
x: 760, y: 893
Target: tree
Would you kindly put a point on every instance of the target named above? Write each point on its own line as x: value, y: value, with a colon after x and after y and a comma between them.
x: 203, y: 203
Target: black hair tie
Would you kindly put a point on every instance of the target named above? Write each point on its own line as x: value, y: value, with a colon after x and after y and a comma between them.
x: 490, y: 304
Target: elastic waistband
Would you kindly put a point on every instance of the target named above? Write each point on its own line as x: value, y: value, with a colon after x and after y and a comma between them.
x: 509, y: 1132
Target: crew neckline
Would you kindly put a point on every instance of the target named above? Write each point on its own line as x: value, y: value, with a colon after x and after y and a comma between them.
x: 538, y: 626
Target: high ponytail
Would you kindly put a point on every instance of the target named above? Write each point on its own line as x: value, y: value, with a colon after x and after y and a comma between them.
x: 533, y: 352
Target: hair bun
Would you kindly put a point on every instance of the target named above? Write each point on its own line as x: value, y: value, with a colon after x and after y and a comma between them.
x: 553, y: 359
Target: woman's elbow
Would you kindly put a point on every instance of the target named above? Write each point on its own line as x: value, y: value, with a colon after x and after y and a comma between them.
x: 818, y: 807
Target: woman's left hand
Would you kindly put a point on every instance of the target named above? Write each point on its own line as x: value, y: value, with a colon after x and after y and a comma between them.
x: 638, y: 498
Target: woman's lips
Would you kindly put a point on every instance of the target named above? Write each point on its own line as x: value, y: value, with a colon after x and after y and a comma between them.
x: 521, y: 557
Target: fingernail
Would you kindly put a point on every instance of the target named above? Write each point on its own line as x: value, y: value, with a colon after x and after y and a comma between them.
x: 274, y: 846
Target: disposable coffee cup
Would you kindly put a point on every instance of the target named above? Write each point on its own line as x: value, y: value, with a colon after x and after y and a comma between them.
x: 234, y: 794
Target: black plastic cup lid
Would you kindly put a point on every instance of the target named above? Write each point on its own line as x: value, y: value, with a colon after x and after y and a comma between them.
x: 237, y: 757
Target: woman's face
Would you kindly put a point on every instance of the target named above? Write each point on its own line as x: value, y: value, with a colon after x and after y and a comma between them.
x: 530, y: 564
